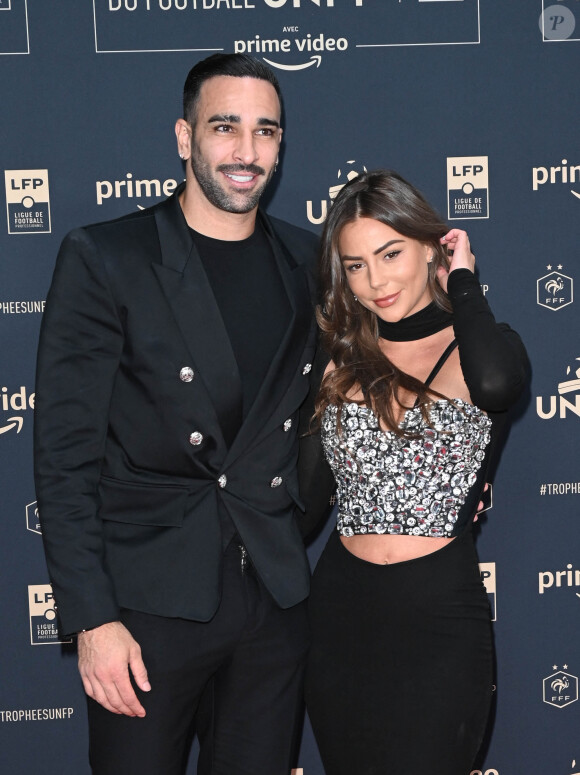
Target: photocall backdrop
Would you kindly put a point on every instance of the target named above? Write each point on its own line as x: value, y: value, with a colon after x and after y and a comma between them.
x: 476, y: 102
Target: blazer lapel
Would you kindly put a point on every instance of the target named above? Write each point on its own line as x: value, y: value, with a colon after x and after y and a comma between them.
x: 185, y: 284
x: 287, y: 359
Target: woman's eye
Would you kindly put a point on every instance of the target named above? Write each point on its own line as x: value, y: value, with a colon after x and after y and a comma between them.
x: 353, y: 267
x: 392, y: 254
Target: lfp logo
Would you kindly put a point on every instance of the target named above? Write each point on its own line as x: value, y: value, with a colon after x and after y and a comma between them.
x: 27, y: 201
x: 487, y: 571
x: 43, y: 621
x: 467, y: 187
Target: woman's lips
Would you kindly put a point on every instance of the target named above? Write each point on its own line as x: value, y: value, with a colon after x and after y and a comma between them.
x: 386, y: 301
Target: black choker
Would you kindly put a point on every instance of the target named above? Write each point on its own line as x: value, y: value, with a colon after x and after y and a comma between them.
x: 427, y: 321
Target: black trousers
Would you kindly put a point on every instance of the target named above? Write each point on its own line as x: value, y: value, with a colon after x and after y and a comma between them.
x: 236, y: 681
x: 399, y: 679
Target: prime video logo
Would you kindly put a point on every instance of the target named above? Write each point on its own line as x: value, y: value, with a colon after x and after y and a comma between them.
x: 19, y: 401
x: 133, y: 188
x: 563, y: 173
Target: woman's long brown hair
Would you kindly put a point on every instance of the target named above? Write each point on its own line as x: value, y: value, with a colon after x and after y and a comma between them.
x: 349, y: 330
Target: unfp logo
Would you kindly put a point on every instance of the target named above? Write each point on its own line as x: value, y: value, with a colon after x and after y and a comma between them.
x: 560, y: 402
x: 555, y: 290
x: 467, y: 187
x: 27, y: 201
x: 560, y: 688
x: 43, y: 618
x: 345, y: 174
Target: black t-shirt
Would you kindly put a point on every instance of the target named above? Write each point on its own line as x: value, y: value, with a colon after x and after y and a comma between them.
x: 250, y: 294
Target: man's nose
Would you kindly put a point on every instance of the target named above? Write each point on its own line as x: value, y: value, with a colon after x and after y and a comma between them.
x: 245, y: 150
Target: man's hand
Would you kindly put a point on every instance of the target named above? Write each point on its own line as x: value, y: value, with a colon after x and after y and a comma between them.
x: 105, y: 656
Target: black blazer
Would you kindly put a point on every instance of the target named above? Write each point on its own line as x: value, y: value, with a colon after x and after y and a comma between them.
x: 129, y: 506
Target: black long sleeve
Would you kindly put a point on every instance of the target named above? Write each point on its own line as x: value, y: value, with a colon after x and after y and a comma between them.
x: 493, y: 359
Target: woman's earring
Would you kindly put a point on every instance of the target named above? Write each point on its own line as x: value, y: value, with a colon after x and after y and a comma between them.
x: 430, y: 259
x: 355, y: 297
x: 182, y: 156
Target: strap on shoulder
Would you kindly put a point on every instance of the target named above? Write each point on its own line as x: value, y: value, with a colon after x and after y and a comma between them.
x: 439, y: 365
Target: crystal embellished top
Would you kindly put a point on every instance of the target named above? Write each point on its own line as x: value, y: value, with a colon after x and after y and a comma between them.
x: 429, y: 485
x: 399, y: 485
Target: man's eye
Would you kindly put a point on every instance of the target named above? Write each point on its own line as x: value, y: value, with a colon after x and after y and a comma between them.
x: 223, y: 128
x: 266, y: 132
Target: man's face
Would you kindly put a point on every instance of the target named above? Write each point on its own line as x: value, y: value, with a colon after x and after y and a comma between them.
x: 235, y: 141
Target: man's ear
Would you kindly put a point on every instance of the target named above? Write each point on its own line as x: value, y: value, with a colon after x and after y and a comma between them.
x: 183, y: 135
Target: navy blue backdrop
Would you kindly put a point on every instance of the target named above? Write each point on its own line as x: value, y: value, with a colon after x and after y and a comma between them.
x: 474, y: 101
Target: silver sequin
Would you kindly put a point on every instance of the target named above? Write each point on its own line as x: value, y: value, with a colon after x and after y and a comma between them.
x: 388, y: 483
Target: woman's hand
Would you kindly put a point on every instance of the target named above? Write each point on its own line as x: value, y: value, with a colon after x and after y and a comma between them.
x: 485, y: 502
x: 460, y: 255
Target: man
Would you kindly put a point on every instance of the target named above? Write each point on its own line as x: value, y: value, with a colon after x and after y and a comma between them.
x: 174, y: 355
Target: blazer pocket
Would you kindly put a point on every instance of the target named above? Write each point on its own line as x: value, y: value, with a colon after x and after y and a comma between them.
x: 142, y: 504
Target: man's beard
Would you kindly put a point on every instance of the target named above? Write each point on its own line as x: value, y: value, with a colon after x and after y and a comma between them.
x: 240, y: 202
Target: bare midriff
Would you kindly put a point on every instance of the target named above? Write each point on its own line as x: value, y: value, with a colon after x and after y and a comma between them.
x: 388, y: 549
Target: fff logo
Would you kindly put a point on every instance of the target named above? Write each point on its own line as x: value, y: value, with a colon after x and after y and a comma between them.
x: 555, y: 291
x: 560, y: 689
x: 32, y: 518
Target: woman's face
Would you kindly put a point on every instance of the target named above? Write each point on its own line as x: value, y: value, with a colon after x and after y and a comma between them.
x: 386, y: 271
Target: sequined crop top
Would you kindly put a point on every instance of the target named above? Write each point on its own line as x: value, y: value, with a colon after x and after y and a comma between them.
x: 428, y: 485
x: 404, y: 486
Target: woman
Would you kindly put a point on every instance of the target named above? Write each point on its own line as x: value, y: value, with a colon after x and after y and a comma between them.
x: 411, y: 406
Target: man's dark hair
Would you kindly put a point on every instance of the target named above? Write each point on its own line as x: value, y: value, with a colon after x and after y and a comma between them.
x: 236, y: 65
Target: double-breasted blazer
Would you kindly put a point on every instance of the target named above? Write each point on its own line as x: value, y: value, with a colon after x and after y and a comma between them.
x: 135, y: 379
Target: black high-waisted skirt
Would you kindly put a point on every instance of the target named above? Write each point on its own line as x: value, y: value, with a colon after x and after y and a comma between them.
x: 399, y: 680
